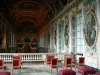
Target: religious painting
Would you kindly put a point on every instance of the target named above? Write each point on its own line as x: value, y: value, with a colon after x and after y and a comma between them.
x: 89, y: 30
x: 27, y: 45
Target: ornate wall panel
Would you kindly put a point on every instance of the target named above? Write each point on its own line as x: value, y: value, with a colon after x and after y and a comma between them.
x: 66, y: 31
x: 90, y: 26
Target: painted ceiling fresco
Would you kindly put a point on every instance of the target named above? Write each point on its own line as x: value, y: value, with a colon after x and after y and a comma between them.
x: 30, y: 15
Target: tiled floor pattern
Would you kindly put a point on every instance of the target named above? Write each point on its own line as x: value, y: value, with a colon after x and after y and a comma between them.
x: 35, y: 69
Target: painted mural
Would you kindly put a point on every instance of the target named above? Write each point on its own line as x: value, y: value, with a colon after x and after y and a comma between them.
x: 66, y: 31
x: 89, y: 29
x: 66, y: 37
x: 2, y: 36
x: 4, y: 40
x: 26, y: 45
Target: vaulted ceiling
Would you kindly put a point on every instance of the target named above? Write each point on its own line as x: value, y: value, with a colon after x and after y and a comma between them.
x: 30, y: 15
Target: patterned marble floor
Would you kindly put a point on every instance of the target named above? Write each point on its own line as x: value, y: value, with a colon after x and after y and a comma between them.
x: 35, y: 69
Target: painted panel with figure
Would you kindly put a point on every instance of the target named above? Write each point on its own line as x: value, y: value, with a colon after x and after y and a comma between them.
x: 66, y: 31
x: 90, y: 29
x: 66, y: 35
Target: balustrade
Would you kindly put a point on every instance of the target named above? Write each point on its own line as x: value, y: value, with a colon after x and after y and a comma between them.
x: 7, y: 57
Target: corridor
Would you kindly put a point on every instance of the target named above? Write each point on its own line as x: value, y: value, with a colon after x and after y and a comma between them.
x: 50, y: 31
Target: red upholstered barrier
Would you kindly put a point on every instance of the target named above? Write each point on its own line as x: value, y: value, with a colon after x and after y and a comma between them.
x: 86, y: 71
x: 67, y: 72
x: 5, y: 73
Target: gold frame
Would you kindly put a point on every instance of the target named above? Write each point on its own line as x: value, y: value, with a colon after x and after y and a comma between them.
x: 96, y: 22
